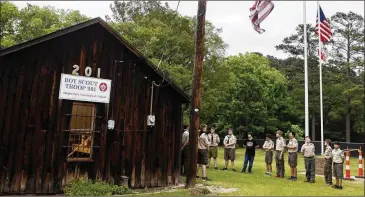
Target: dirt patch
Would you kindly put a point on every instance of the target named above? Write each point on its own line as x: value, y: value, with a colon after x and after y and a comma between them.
x: 200, y: 190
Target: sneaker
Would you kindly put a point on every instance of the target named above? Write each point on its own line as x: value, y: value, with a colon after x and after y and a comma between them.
x: 277, y: 176
x: 243, y: 171
x: 266, y: 174
x: 340, y: 187
x: 203, y: 179
x: 336, y: 186
x: 294, y: 178
x: 328, y: 184
x: 197, y: 177
x: 290, y: 178
x: 234, y: 170
x: 216, y: 168
x: 224, y: 169
x: 207, y: 166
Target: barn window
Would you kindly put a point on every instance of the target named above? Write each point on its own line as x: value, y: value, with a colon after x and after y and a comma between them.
x: 81, y: 132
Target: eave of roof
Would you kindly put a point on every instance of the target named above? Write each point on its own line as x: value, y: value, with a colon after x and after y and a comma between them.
x: 82, y: 25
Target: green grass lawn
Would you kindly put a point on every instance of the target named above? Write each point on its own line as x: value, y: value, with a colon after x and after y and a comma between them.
x: 256, y: 184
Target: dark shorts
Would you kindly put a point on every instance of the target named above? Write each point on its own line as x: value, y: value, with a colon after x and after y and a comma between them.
x: 203, y: 156
x: 268, y: 157
x: 338, y: 170
x: 293, y: 159
x: 213, y: 152
x: 229, y: 154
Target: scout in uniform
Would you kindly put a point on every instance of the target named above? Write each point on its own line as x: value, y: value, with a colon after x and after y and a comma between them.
x: 279, y: 154
x: 185, y: 150
x: 268, y: 147
x: 328, y: 162
x: 213, y: 147
x: 229, y: 149
x: 203, y: 147
x: 292, y: 156
x: 338, y: 159
x: 251, y: 146
x: 308, y: 151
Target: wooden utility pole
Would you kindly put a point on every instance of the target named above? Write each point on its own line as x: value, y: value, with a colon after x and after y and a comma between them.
x: 195, y: 104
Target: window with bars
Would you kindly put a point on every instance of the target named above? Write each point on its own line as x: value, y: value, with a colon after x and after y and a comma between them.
x: 81, y: 132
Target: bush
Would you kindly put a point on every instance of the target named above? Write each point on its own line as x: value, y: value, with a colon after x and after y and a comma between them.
x: 88, y: 188
x: 299, y: 132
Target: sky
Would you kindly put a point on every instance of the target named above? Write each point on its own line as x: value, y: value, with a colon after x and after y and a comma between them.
x: 233, y: 18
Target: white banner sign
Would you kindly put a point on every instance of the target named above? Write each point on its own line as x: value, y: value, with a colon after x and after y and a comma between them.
x: 78, y: 88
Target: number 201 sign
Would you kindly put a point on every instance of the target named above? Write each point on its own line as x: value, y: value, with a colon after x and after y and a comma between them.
x: 88, y: 71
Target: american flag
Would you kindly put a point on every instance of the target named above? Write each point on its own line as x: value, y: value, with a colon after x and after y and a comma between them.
x: 259, y: 11
x: 325, y: 32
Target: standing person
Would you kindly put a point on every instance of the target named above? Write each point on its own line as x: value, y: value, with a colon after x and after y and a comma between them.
x: 279, y: 154
x: 185, y: 150
x: 229, y: 149
x: 268, y: 147
x: 308, y: 151
x: 203, y: 147
x: 338, y: 159
x: 328, y: 162
x: 213, y: 147
x: 251, y: 146
x: 293, y: 156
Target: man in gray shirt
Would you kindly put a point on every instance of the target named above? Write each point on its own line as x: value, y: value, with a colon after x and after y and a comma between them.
x: 185, y: 150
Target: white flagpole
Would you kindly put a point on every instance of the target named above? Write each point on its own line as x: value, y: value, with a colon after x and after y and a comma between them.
x: 306, y: 110
x: 320, y: 73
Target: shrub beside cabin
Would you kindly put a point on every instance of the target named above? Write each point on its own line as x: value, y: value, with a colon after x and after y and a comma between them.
x: 47, y: 142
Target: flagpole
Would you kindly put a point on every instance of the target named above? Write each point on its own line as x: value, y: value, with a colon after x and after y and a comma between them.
x: 306, y: 110
x: 320, y: 72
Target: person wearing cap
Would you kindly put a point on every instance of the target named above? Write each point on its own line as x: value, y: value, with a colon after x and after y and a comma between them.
x: 229, y: 143
x: 279, y: 154
x: 338, y: 160
x: 328, y: 162
x: 214, y: 140
x: 292, y: 156
x: 203, y: 147
x: 268, y: 147
x: 185, y: 150
x: 308, y: 151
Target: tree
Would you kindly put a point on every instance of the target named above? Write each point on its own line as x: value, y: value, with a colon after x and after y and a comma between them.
x: 257, y: 97
x: 32, y: 21
x: 8, y: 21
x: 348, y: 45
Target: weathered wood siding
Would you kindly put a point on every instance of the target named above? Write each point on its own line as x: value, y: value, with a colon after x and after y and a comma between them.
x: 32, y: 119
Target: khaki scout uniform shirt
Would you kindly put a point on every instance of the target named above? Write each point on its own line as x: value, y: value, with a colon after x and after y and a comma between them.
x: 293, y: 143
x: 338, y: 156
x: 328, y: 152
x: 229, y: 139
x: 308, y: 150
x: 185, y: 137
x: 268, y: 145
x: 203, y: 141
x: 213, y: 139
x: 280, y: 143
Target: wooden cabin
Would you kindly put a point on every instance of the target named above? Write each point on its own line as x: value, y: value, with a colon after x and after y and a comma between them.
x: 46, y: 141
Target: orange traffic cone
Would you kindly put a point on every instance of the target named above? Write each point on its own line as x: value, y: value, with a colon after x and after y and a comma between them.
x: 360, y: 171
x: 347, y: 155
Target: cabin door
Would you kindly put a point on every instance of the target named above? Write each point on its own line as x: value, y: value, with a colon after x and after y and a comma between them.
x: 80, y: 140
